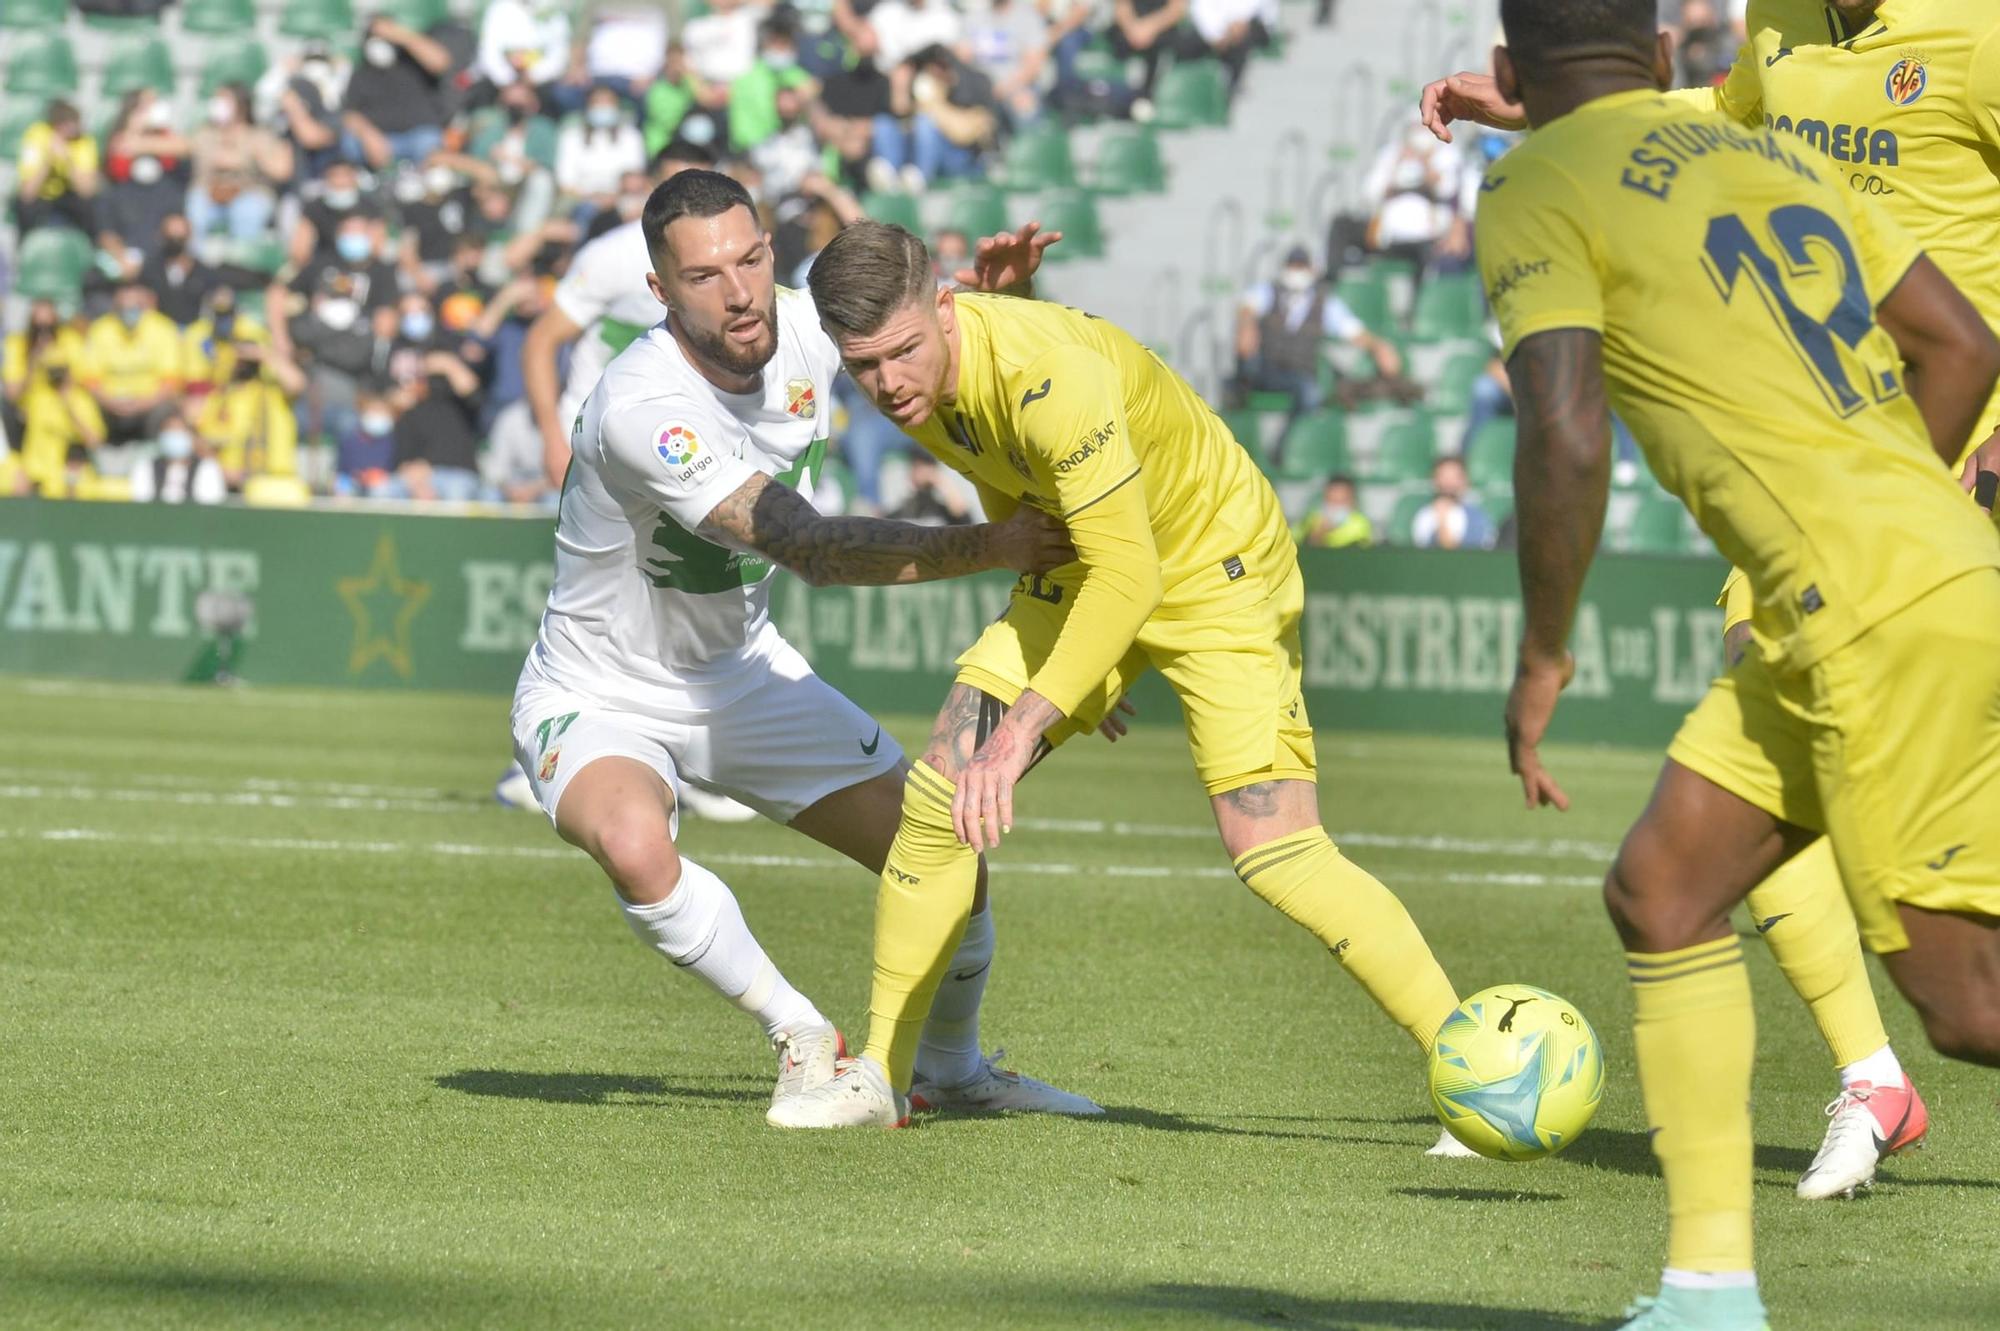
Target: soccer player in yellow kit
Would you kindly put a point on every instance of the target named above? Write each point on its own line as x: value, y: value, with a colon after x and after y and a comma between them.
x: 1904, y: 96
x: 1185, y: 565
x: 1752, y: 318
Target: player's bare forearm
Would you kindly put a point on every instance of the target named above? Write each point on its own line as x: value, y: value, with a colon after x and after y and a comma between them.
x: 1562, y: 477
x: 772, y: 519
x: 1952, y: 357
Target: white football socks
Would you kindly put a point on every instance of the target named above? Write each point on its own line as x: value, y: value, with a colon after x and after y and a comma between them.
x: 700, y: 928
x: 948, y: 1051
x: 1880, y: 1068
x: 1674, y: 1279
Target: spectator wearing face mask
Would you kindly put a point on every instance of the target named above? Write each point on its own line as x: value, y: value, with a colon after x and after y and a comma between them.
x: 437, y: 394
x: 1336, y: 522
x: 179, y: 282
x: 211, y: 340
x: 523, y: 41
x: 753, y: 95
x: 182, y: 471
x: 941, y: 114
x: 146, y: 172
x: 238, y: 169
x: 56, y: 173
x: 1279, y: 330
x: 1412, y: 190
x: 435, y: 214
x: 365, y: 459
x: 247, y: 423
x: 132, y: 366
x: 682, y: 107
x: 792, y: 155
x: 398, y: 98
x: 323, y: 205
x: 323, y: 317
x: 594, y: 155
x: 304, y: 93
x: 516, y: 155
x: 1453, y: 519
x: 54, y: 418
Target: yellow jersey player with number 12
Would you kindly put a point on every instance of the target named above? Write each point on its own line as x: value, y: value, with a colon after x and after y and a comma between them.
x: 1751, y: 318
x: 1185, y: 565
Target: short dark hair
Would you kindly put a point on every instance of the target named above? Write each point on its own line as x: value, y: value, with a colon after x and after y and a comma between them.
x: 1538, y: 30
x: 1341, y: 478
x: 690, y: 193
x: 865, y: 274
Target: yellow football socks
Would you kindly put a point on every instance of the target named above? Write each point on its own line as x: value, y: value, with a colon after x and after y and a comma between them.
x: 1802, y: 912
x: 1694, y: 1035
x: 1361, y: 923
x: 920, y: 914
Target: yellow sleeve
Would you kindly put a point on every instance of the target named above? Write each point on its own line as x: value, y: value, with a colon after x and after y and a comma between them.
x: 996, y: 506
x: 166, y: 357
x: 1883, y: 248
x: 1982, y: 84
x: 89, y: 372
x: 1071, y: 424
x: 34, y: 147
x: 281, y: 445
x: 1536, y: 254
x: 210, y: 422
x: 15, y: 367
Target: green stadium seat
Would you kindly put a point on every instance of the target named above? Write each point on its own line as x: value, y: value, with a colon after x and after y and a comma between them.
x: 1265, y: 399
x: 1128, y: 162
x: 1452, y: 394
x: 976, y: 208
x: 1038, y: 158
x: 1406, y: 450
x: 1489, y: 456
x: 1449, y: 307
x: 898, y: 209
x: 1074, y: 213
x: 32, y: 15
x: 243, y: 64
x: 329, y: 19
x: 1316, y: 446
x: 1658, y: 527
x: 1398, y: 530
x: 1367, y: 294
x: 219, y: 18
x: 52, y: 263
x: 143, y: 63
x: 1097, y: 64
x: 1191, y: 95
x: 42, y: 65
x: 420, y: 15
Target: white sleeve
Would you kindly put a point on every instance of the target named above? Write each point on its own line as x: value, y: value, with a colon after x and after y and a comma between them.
x: 1339, y: 322
x: 591, y: 286
x: 674, y: 453
x: 1258, y: 299
x: 499, y: 31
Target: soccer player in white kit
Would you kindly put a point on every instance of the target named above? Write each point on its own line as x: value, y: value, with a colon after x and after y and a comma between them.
x: 657, y: 666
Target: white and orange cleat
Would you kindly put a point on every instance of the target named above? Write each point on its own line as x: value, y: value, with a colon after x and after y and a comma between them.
x: 993, y: 1089
x: 1870, y: 1124
x: 806, y: 1058
x: 858, y: 1095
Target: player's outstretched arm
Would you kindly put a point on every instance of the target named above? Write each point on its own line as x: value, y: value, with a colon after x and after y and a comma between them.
x: 1951, y: 357
x: 769, y: 518
x: 1562, y: 480
x: 1468, y: 96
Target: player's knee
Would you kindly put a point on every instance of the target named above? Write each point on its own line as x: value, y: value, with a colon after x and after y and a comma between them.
x: 637, y: 852
x: 1648, y: 913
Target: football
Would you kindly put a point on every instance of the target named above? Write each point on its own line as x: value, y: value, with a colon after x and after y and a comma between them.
x: 1516, y: 1073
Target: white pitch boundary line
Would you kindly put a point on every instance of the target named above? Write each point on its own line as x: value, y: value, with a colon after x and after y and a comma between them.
x: 324, y: 845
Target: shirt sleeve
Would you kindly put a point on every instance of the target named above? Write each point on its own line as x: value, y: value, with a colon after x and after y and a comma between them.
x: 1258, y: 299
x: 1535, y: 253
x: 673, y: 453
x: 1071, y: 423
x: 1884, y: 250
x: 588, y: 289
x: 1982, y: 85
x: 1340, y: 322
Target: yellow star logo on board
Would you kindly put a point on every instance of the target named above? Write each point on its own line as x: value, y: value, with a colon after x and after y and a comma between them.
x: 383, y: 603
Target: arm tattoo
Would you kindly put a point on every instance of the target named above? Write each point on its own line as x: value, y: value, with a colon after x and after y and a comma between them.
x: 1562, y: 475
x: 967, y: 720
x: 1257, y: 800
x: 772, y: 519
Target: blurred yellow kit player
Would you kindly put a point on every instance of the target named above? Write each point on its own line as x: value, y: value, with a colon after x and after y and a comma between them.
x: 1751, y: 318
x: 1185, y: 565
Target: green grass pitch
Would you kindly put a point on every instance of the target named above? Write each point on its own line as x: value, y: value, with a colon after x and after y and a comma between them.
x: 298, y: 1028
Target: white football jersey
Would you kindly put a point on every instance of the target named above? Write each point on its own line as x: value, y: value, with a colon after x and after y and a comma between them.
x: 644, y: 613
x: 605, y: 294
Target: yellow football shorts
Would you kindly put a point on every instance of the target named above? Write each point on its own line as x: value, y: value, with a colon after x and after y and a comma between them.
x: 1889, y: 745
x: 1232, y: 660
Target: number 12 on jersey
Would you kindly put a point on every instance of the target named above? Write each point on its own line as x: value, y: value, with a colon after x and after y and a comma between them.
x: 1807, y: 240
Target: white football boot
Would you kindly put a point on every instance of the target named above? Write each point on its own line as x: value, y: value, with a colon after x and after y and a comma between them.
x: 994, y: 1090
x: 1451, y: 1148
x: 858, y: 1095
x: 1869, y: 1124
x: 806, y: 1058
x: 514, y: 790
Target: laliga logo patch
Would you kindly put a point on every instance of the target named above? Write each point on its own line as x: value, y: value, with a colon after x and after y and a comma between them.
x: 799, y: 399
x: 1906, y: 81
x: 677, y: 445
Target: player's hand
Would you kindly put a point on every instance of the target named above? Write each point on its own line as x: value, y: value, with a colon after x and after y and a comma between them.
x: 1985, y: 461
x: 1530, y: 705
x: 1466, y: 96
x: 1113, y: 726
x: 1006, y: 258
x: 983, y: 807
x: 1031, y: 541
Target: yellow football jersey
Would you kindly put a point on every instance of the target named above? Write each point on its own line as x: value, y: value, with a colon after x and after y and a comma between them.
x: 1070, y: 414
x: 1908, y: 108
x: 1734, y: 278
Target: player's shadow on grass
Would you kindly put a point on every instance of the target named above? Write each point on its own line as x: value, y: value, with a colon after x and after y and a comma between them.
x: 1263, y: 1307
x: 597, y: 1088
x: 1627, y: 1152
x: 1501, y: 1195
x: 1160, y: 1120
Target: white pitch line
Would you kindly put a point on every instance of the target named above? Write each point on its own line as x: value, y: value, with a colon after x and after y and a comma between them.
x: 1028, y: 869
